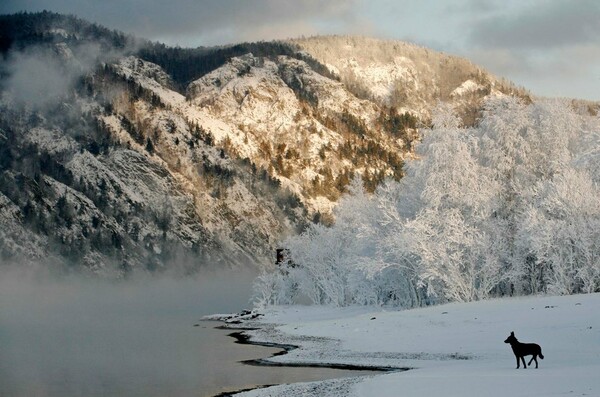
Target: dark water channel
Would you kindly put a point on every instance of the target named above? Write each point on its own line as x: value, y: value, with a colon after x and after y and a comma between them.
x: 135, y: 338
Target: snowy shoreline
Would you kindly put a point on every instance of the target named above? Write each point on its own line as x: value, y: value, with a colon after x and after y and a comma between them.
x: 453, y: 349
x: 247, y: 329
x: 242, y: 337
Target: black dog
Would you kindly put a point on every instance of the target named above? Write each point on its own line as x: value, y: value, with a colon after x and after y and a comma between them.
x: 524, y: 349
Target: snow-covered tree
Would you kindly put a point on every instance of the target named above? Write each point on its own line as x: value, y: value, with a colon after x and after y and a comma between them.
x: 332, y: 263
x: 511, y: 206
x: 562, y: 231
x: 449, y: 234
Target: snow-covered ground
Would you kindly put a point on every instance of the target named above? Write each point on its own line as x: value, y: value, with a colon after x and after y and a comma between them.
x: 452, y: 350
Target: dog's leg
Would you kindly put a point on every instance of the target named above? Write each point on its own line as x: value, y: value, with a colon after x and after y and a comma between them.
x: 518, y: 362
x: 523, y: 359
x: 535, y: 359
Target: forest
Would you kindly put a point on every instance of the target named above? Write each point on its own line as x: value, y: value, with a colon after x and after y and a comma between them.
x: 508, y: 207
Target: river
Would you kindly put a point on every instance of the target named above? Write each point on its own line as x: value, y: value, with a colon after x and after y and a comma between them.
x: 84, y: 337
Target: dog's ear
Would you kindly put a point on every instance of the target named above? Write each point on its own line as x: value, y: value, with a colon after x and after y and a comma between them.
x: 512, y: 333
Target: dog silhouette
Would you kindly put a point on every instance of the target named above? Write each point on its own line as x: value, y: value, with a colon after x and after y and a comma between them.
x: 524, y: 349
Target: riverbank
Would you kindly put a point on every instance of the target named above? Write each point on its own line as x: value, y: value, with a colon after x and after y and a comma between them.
x: 451, y: 350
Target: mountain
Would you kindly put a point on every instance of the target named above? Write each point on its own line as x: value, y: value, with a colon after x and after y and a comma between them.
x: 119, y: 154
x: 407, y: 77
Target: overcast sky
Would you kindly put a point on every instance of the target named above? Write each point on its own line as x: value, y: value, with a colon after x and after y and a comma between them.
x: 551, y: 47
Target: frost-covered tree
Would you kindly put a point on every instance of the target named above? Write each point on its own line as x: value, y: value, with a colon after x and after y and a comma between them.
x: 333, y: 262
x: 397, y: 280
x: 522, y: 146
x: 511, y: 206
x: 333, y: 265
x: 449, y: 233
x: 562, y: 232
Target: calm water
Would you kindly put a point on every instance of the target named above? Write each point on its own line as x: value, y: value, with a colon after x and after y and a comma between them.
x: 135, y: 338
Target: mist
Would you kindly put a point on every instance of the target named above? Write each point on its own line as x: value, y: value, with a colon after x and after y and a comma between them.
x: 37, y: 78
x: 40, y: 76
x: 73, y: 335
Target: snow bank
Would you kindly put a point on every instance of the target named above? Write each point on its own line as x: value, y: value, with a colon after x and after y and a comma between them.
x: 453, y: 350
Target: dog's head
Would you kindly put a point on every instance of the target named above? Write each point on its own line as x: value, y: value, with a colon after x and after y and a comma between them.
x: 511, y: 338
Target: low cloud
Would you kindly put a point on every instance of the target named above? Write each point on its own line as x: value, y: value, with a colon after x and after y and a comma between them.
x: 548, y: 73
x: 473, y: 7
x: 551, y: 47
x: 37, y: 77
x: 40, y: 76
x: 544, y: 25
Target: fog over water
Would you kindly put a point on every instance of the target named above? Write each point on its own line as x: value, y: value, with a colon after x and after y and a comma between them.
x: 74, y: 337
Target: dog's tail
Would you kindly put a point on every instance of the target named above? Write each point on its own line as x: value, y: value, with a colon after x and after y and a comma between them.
x: 541, y: 355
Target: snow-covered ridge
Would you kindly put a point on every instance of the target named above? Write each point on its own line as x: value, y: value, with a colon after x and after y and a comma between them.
x: 266, y: 103
x: 401, y: 74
